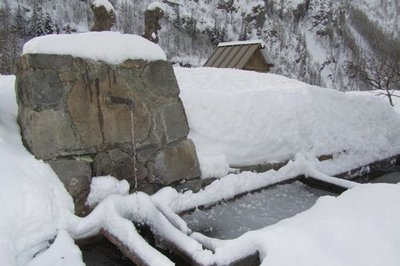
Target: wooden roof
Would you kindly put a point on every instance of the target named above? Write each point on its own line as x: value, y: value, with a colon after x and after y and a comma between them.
x: 236, y: 54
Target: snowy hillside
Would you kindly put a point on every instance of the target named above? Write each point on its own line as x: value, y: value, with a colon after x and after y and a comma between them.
x: 312, y: 41
x: 384, y: 13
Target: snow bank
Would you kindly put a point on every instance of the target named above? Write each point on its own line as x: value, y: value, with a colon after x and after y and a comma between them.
x: 236, y: 184
x: 214, y: 165
x: 103, y: 186
x: 254, y: 118
x: 63, y: 252
x: 107, y: 5
x: 34, y: 204
x: 111, y: 47
x: 380, y: 94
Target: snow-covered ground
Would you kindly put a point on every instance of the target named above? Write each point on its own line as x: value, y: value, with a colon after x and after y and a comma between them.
x: 252, y: 118
x: 381, y: 94
x: 257, y: 118
x: 34, y: 205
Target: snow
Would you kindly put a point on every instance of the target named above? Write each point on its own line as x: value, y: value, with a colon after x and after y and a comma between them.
x: 105, y: 3
x: 236, y: 184
x: 254, y: 118
x: 115, y: 215
x: 33, y: 202
x: 103, y: 186
x: 236, y: 117
x: 63, y: 252
x: 381, y: 94
x: 115, y: 47
x: 214, y: 165
x: 360, y: 227
x: 154, y: 5
x: 223, y: 44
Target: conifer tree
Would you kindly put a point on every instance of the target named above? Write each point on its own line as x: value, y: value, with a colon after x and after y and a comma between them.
x: 5, y: 39
x: 19, y: 26
x: 48, y: 25
x: 37, y: 21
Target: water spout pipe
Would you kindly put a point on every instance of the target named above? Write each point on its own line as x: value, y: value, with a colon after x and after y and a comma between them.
x: 131, y: 104
x: 120, y: 101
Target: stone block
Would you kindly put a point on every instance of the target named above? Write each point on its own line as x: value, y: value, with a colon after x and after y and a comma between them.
x: 115, y: 163
x: 147, y: 154
x: 41, y: 89
x: 76, y: 176
x: 48, y: 133
x: 175, y: 163
x: 40, y: 61
x: 160, y: 79
x: 175, y: 122
x: 65, y: 111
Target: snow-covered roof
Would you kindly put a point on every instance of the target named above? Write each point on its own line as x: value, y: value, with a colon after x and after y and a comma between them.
x: 111, y: 47
x: 107, y: 5
x: 223, y: 44
x: 239, y: 55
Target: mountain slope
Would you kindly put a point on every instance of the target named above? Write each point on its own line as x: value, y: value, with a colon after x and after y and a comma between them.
x: 313, y: 41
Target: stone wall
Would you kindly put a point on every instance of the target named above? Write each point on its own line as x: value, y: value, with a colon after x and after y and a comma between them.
x: 77, y: 115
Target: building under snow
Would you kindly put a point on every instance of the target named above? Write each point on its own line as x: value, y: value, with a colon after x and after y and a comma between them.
x: 246, y: 55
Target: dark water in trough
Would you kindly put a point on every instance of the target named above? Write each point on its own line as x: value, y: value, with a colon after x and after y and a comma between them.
x: 254, y: 211
x: 231, y: 219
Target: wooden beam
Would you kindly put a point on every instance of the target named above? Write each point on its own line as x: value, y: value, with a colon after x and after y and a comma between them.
x: 135, y: 258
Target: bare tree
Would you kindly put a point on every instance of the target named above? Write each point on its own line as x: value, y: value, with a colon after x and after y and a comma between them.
x: 382, y: 74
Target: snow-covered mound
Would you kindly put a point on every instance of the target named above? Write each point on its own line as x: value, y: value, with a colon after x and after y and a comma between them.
x: 111, y: 47
x: 34, y: 204
x: 254, y: 118
x: 103, y: 186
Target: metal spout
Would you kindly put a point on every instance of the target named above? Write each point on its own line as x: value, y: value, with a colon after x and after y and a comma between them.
x: 120, y: 101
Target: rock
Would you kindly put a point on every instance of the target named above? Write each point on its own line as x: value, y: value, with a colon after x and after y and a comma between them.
x: 151, y: 24
x: 147, y: 154
x: 115, y: 163
x: 42, y: 89
x: 175, y: 122
x: 115, y: 113
x: 177, y: 162
x: 48, y: 134
x: 76, y: 176
x: 160, y: 78
x: 103, y: 20
x: 55, y: 62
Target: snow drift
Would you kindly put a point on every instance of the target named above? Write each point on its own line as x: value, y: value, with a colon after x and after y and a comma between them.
x: 34, y: 204
x: 255, y: 118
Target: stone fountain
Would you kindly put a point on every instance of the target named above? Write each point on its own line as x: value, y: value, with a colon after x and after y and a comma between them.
x: 88, y: 118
